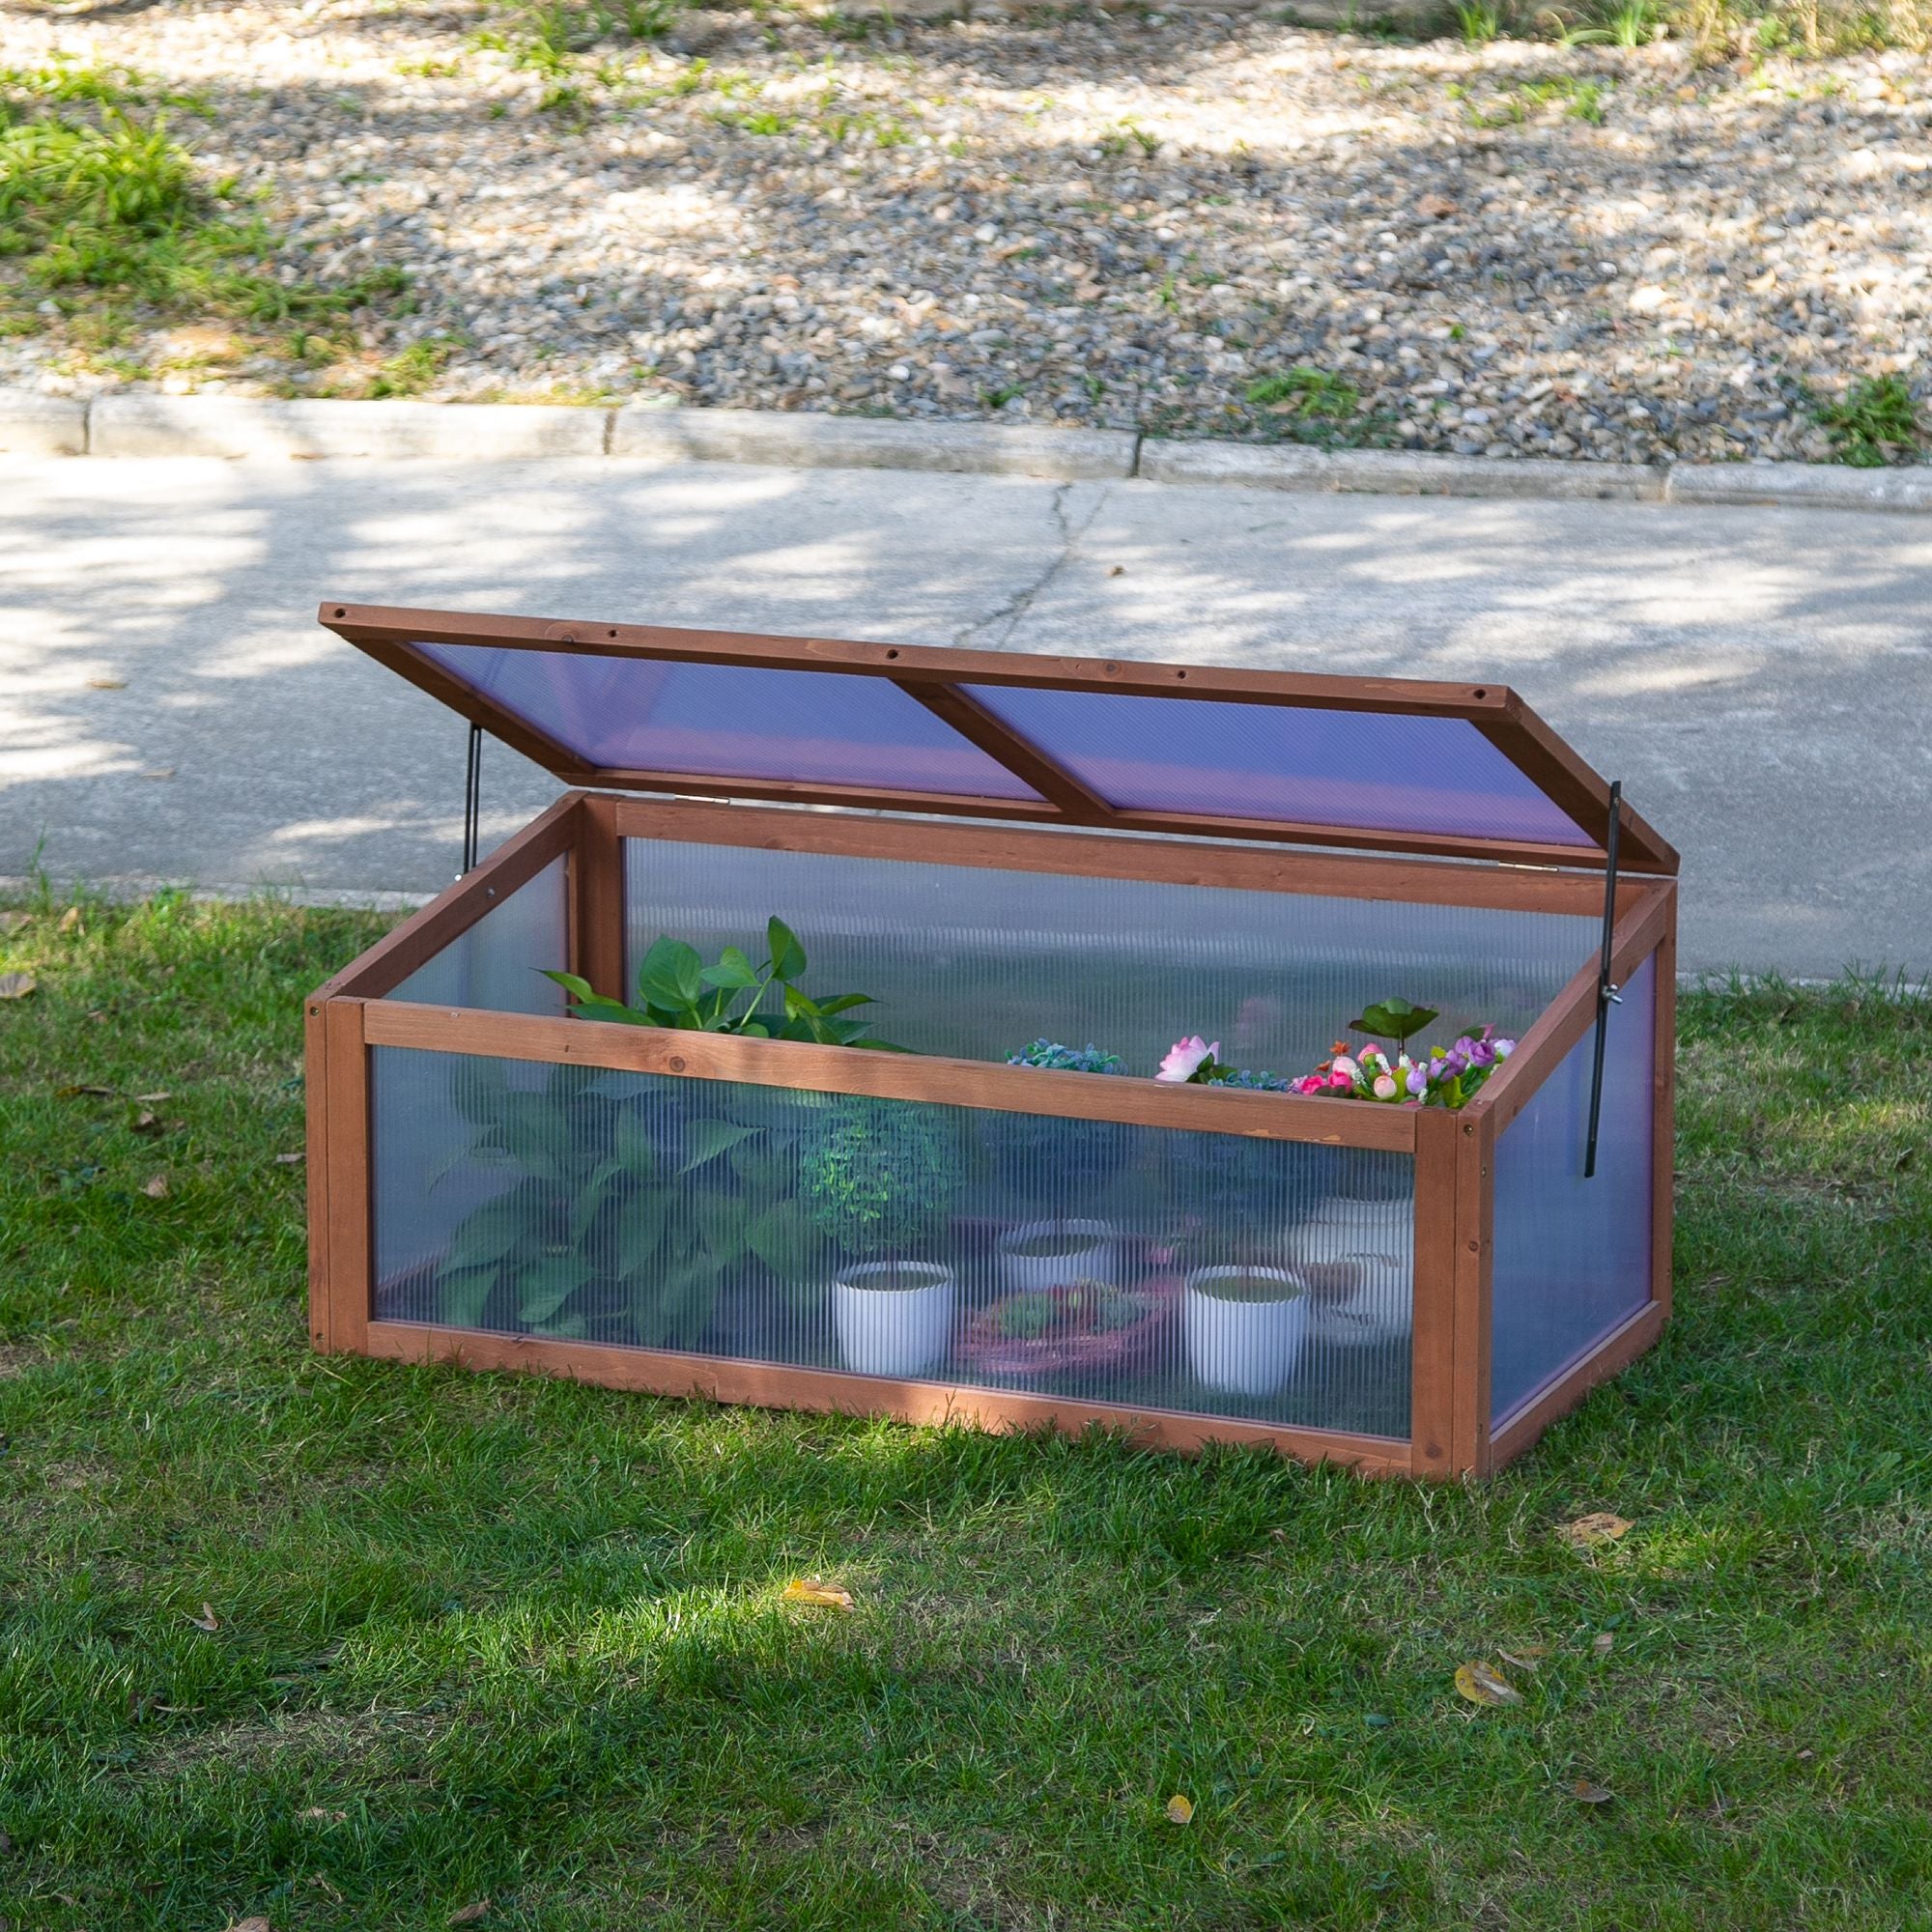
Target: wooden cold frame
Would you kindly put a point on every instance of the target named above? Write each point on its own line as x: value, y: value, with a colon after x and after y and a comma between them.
x: 1452, y: 1433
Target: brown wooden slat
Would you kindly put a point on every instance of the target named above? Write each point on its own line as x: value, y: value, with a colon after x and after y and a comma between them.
x: 788, y: 791
x: 663, y: 1372
x: 315, y: 1166
x: 347, y: 1290
x: 893, y: 1077
x: 597, y: 898
x: 1664, y: 1118
x: 1564, y: 1391
x: 945, y: 665
x: 1018, y: 754
x: 458, y: 907
x: 1432, y: 1335
x: 1082, y: 855
x: 1474, y: 1326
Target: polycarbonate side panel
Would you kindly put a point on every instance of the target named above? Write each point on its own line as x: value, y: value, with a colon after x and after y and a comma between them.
x: 731, y: 721
x: 500, y: 962
x: 1091, y: 1260
x: 1360, y: 769
x: 977, y: 962
x: 1573, y: 1256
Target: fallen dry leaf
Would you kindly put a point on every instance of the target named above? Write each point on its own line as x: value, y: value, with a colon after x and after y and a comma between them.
x: 322, y: 1815
x: 290, y: 1160
x: 207, y: 1620
x: 1436, y: 207
x: 159, y: 772
x: 107, y: 684
x: 1481, y: 1684
x: 157, y: 1189
x: 147, y: 1121
x: 1179, y: 1811
x: 1118, y: 570
x: 153, y: 1099
x: 468, y: 1915
x: 815, y: 1590
x: 1603, y: 1642
x: 1525, y: 1656
x: 1586, y: 1793
x: 17, y: 986
x: 75, y: 1093
x: 255, y: 1924
x: 15, y: 922
x: 1593, y: 1531
x: 68, y: 921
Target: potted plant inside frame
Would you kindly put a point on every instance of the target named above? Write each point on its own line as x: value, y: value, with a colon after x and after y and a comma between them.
x: 1041, y: 1159
x: 1243, y: 1315
x: 878, y: 1178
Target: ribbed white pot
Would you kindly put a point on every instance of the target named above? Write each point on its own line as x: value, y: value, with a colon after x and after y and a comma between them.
x: 1358, y: 1258
x: 1243, y: 1348
x: 891, y: 1330
x: 1091, y: 1253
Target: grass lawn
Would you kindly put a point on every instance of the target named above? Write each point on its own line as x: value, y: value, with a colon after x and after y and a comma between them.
x: 494, y: 1639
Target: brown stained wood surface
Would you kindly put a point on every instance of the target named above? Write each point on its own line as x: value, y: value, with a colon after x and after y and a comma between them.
x: 1611, y: 1353
x: 1158, y: 860
x: 597, y: 898
x: 938, y: 676
x: 1432, y: 1417
x: 1475, y: 1325
x: 890, y: 1076
x: 458, y: 907
x: 347, y: 1274
x: 315, y: 1102
x: 663, y: 1372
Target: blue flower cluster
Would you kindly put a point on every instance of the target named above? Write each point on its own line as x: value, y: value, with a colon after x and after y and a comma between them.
x: 1048, y: 1053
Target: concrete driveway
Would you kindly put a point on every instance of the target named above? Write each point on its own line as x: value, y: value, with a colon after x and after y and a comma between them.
x: 169, y: 710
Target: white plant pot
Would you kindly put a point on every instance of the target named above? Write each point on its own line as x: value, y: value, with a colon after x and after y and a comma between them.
x: 1244, y: 1348
x: 893, y: 1331
x: 1098, y: 1258
x: 1358, y: 1258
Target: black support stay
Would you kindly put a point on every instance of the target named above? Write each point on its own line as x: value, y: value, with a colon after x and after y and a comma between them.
x: 473, y: 803
x: 1608, y: 994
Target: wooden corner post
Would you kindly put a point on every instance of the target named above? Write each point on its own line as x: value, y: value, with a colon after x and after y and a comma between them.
x: 339, y: 1177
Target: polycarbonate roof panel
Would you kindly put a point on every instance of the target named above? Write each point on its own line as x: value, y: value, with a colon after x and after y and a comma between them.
x: 628, y: 714
x: 1373, y: 771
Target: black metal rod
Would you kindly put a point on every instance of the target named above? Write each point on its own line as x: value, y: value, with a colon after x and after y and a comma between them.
x: 1606, y: 991
x: 472, y: 800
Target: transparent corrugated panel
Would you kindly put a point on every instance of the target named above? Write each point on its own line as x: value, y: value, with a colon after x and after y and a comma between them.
x: 1355, y: 768
x: 731, y: 721
x: 498, y: 963
x: 1573, y: 1256
x: 979, y: 962
x: 1198, y: 1272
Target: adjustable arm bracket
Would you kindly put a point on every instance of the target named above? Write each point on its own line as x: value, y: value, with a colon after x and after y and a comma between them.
x: 1608, y: 993
x: 472, y: 799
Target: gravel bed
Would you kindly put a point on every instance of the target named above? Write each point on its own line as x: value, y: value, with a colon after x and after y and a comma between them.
x: 1109, y: 220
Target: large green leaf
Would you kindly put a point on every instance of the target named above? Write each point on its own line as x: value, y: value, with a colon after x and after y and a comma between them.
x: 671, y: 974
x: 733, y: 970
x: 590, y: 1198
x: 1393, y: 1019
x: 785, y: 1240
x: 787, y: 954
x: 641, y: 1230
x: 484, y: 1237
x: 542, y: 1289
x: 719, y: 1221
x: 462, y: 1294
x: 706, y: 1140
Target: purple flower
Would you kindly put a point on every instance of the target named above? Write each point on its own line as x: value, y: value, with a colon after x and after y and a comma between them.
x: 1504, y: 1048
x: 1482, y: 1054
x: 1418, y: 1080
x: 1463, y: 1047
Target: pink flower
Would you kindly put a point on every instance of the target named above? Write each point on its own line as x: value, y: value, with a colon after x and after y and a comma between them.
x: 1384, y: 1089
x: 1341, y: 1082
x: 1311, y: 1082
x: 1186, y: 1058
x: 1345, y: 1066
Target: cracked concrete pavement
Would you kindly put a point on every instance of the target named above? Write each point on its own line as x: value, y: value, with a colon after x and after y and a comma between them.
x: 169, y: 709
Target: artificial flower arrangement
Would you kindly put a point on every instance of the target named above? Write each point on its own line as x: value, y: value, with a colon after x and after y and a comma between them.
x: 1444, y: 1076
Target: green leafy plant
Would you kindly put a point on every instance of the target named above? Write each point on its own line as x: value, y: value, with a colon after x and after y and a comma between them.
x: 623, y: 1205
x: 1479, y: 21
x: 1393, y: 1019
x: 676, y: 989
x: 878, y: 1176
x: 1874, y: 423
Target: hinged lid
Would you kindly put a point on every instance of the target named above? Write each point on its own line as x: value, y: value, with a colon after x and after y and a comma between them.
x: 1388, y: 764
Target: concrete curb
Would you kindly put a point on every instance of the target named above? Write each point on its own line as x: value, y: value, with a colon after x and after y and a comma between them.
x: 142, y: 423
